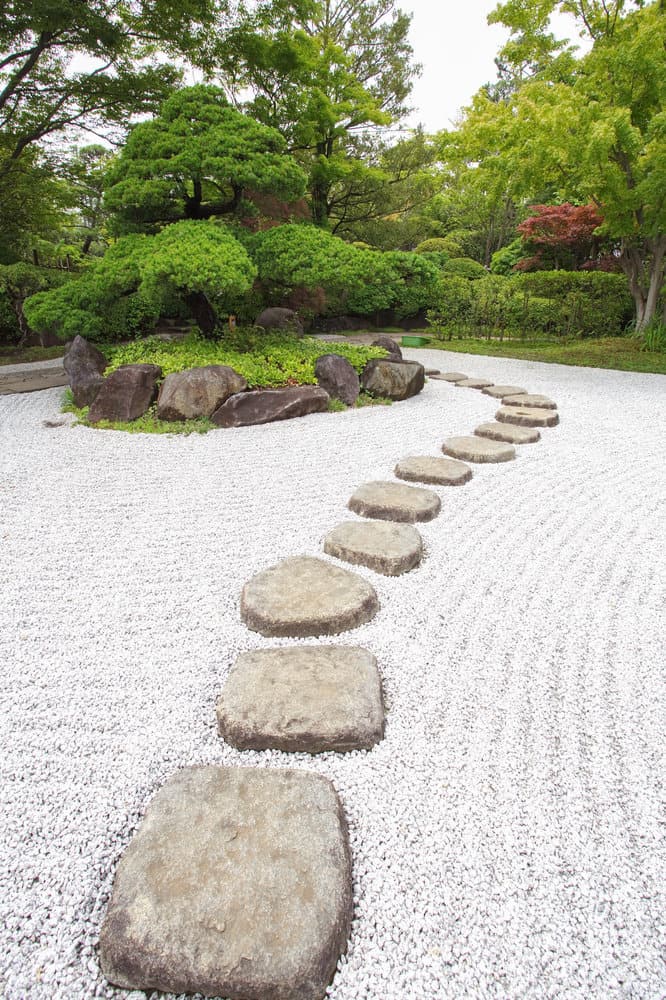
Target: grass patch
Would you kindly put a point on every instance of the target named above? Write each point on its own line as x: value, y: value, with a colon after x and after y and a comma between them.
x: 21, y: 355
x: 621, y: 353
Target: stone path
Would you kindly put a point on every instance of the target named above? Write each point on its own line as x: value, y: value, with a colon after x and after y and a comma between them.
x: 238, y: 881
x: 32, y: 376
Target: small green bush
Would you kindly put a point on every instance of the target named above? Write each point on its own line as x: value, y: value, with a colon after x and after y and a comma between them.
x: 465, y: 267
x: 434, y: 245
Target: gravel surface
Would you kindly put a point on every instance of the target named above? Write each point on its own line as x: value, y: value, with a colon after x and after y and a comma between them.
x: 508, y: 834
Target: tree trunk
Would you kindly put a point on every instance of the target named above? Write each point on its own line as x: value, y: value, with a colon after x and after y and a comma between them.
x: 638, y: 266
x: 203, y: 313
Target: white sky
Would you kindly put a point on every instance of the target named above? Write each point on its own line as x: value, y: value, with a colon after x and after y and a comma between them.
x: 456, y: 46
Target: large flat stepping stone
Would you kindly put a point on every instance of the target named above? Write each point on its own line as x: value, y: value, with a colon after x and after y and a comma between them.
x: 384, y: 546
x: 508, y: 432
x: 395, y: 502
x: 450, y: 377
x: 432, y: 371
x: 527, y: 416
x: 304, y: 698
x: 430, y: 469
x: 478, y: 449
x: 529, y: 399
x: 303, y: 596
x: 237, y: 884
x: 500, y: 391
x: 474, y: 383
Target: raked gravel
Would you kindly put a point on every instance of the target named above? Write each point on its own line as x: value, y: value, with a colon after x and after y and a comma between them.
x: 508, y: 834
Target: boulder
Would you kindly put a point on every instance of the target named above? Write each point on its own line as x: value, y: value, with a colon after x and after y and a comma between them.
x: 389, y: 344
x: 236, y: 884
x: 84, y: 365
x: 337, y: 376
x: 393, y: 379
x: 262, y: 406
x: 126, y: 393
x: 277, y: 318
x: 197, y: 392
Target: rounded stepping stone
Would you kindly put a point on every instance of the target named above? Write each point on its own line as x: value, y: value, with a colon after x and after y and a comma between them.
x: 474, y: 383
x: 529, y: 399
x: 500, y: 391
x: 478, y: 449
x: 303, y: 596
x: 527, y: 416
x: 384, y: 546
x: 508, y: 432
x: 450, y: 377
x: 430, y: 469
x: 307, y: 699
x: 395, y: 502
x: 237, y: 884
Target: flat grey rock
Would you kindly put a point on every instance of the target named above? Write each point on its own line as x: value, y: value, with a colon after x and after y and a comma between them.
x: 450, y: 377
x: 499, y: 391
x: 508, y: 432
x: 384, y: 546
x: 432, y: 371
x: 310, y: 699
x: 390, y: 501
x: 478, y: 449
x: 527, y: 416
x: 303, y: 596
x: 431, y: 469
x: 237, y: 884
x: 474, y: 383
x: 530, y: 399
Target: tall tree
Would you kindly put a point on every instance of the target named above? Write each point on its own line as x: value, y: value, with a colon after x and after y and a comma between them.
x: 327, y: 74
x: 592, y: 129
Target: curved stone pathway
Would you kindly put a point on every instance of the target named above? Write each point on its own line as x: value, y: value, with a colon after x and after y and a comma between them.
x: 178, y: 919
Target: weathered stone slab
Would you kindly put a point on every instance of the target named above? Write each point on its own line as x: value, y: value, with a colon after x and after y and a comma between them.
x: 310, y: 699
x: 31, y: 379
x: 477, y: 449
x: 338, y: 377
x: 386, y: 547
x: 394, y: 502
x: 393, y: 379
x: 450, y: 377
x: 500, y: 391
x: 527, y: 416
x: 197, y: 392
x: 125, y: 394
x: 263, y: 406
x: 302, y: 596
x: 431, y: 469
x: 237, y: 884
x: 534, y: 399
x: 432, y: 371
x: 508, y: 432
x: 474, y: 383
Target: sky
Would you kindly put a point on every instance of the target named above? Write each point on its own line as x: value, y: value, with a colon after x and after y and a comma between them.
x: 456, y: 46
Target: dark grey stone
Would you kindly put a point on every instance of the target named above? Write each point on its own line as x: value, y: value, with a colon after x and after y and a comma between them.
x: 262, y: 406
x: 126, y: 393
x: 337, y: 376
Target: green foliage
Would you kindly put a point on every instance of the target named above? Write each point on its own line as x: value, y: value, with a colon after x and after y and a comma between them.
x: 414, y: 282
x: 654, y: 337
x: 276, y: 360
x: 195, y: 160
x: 436, y: 244
x: 464, y: 267
x: 17, y: 283
x: 542, y: 303
x: 503, y: 261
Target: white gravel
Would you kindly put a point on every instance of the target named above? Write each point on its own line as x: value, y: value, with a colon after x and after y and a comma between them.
x: 508, y: 834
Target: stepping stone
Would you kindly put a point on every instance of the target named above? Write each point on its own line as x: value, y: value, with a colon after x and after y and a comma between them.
x: 508, y: 432
x: 430, y: 469
x: 527, y: 416
x: 237, y: 884
x: 474, y: 383
x: 500, y: 391
x: 450, y: 377
x: 529, y: 399
x: 395, y: 502
x: 303, y: 596
x: 386, y: 547
x: 432, y: 371
x: 477, y: 449
x: 304, y: 698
